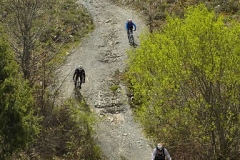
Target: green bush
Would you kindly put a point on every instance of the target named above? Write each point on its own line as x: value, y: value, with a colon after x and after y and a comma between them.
x: 187, y: 79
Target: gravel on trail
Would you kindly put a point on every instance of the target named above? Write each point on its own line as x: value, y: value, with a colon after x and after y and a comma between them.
x: 102, y: 54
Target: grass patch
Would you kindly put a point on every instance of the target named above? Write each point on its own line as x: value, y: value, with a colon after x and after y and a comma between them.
x: 114, y: 88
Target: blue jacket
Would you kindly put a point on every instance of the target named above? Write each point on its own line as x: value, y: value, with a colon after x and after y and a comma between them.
x: 130, y: 26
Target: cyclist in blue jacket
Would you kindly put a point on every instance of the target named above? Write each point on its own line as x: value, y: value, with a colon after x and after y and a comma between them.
x: 129, y: 26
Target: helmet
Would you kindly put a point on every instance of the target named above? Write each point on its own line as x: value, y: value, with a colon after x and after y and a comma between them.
x: 80, y: 67
x: 129, y: 20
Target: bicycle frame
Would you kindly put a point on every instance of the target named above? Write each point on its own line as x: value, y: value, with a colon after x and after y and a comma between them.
x: 78, y: 83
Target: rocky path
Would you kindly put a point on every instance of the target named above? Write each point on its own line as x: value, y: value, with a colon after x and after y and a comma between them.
x: 103, y: 54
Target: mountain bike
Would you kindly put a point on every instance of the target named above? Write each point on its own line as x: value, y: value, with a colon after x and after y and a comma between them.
x: 78, y: 83
x: 130, y: 37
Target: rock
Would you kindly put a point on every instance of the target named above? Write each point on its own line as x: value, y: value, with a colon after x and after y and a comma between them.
x: 108, y: 21
x: 125, y: 134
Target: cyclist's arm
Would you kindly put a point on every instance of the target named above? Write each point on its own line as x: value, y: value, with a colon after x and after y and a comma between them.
x: 154, y: 153
x: 74, y: 74
x: 83, y: 73
x: 126, y: 26
x: 167, y: 154
x: 134, y: 26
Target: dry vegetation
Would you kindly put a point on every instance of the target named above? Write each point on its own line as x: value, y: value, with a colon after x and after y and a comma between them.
x: 156, y: 11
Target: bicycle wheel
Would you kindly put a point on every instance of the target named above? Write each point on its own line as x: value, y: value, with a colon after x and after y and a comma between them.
x: 79, y: 83
x: 131, y: 39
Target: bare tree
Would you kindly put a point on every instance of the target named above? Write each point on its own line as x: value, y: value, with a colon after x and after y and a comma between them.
x: 26, y: 22
x: 153, y: 7
x: 24, y: 13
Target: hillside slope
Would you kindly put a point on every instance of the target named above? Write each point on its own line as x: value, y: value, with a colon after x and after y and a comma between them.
x: 103, y: 54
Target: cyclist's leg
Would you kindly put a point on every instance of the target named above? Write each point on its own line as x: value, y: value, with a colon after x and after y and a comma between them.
x: 129, y: 31
x: 75, y: 81
x: 78, y: 81
x: 80, y: 84
x: 132, y: 36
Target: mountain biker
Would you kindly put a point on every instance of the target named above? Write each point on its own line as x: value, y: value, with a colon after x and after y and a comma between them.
x: 159, y: 153
x: 129, y: 26
x: 79, y: 73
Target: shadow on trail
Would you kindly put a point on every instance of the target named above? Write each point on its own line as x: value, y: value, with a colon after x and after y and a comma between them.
x: 80, y: 100
x: 77, y: 94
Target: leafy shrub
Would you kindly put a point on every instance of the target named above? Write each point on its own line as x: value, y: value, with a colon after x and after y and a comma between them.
x: 186, y: 77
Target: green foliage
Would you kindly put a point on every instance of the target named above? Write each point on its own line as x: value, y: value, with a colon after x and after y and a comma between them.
x: 186, y: 78
x: 114, y: 88
x: 17, y: 121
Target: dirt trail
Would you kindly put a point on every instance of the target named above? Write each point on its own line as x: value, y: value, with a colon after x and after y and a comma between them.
x: 101, y: 54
